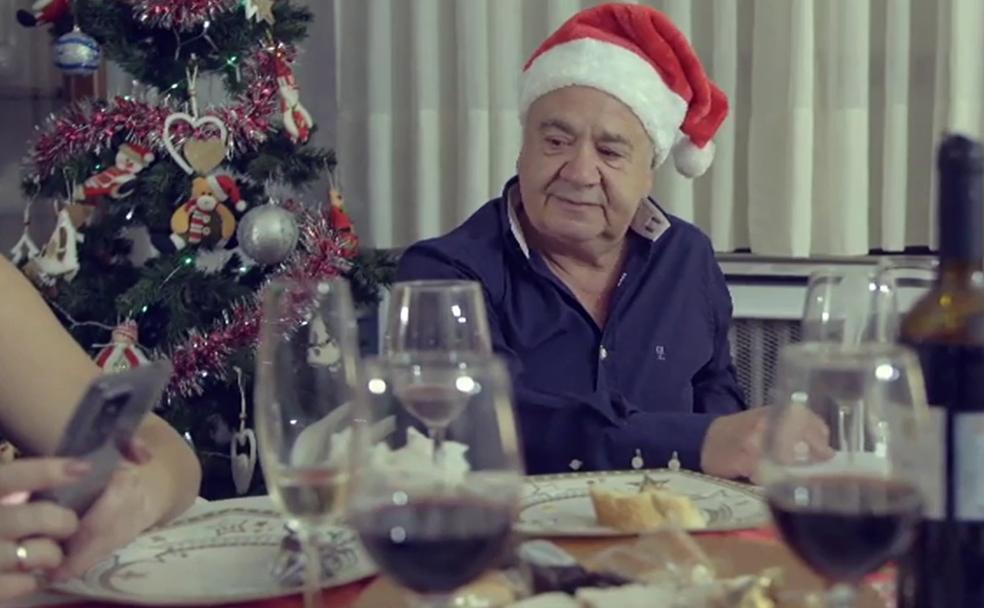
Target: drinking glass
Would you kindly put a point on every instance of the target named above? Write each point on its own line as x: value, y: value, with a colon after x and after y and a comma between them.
x: 434, y: 516
x: 307, y: 392
x: 862, y: 304
x: 447, y: 316
x: 841, y: 457
x: 846, y: 306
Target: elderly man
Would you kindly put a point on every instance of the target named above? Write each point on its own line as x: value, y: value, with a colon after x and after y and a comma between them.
x: 613, y: 314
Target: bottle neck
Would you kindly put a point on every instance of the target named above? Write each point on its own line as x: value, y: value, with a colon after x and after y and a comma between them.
x: 956, y: 272
x: 961, y: 227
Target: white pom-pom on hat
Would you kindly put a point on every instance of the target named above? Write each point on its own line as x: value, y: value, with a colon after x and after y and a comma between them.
x: 691, y: 160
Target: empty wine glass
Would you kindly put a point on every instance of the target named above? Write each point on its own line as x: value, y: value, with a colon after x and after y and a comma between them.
x: 861, y: 304
x: 432, y: 523
x: 307, y: 393
x: 845, y: 491
x: 446, y: 316
x: 841, y: 307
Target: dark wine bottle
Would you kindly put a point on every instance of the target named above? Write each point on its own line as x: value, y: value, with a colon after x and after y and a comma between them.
x: 946, y: 328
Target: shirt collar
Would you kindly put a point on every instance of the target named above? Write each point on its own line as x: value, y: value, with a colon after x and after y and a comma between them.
x: 649, y: 221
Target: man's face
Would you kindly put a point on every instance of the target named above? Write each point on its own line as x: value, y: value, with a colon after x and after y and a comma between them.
x: 585, y: 165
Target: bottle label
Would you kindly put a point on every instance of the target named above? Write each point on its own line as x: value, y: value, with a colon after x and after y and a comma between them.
x: 921, y: 457
x: 968, y: 455
x: 954, y: 376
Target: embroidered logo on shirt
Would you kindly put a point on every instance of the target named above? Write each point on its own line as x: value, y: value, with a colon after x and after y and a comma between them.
x: 660, y: 353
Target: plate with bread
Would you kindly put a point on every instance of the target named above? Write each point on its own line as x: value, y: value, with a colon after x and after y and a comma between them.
x: 624, y: 503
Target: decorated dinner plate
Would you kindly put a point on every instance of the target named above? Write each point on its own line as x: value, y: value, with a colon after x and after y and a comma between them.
x: 218, y: 553
x: 559, y: 505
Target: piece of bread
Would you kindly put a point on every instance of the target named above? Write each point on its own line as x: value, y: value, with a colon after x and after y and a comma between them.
x: 649, y: 508
x: 628, y: 596
x: 628, y: 511
x: 492, y: 589
x: 548, y: 600
x: 678, y: 509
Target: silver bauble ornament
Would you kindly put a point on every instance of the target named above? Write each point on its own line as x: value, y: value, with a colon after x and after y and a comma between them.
x: 267, y: 234
x: 77, y: 54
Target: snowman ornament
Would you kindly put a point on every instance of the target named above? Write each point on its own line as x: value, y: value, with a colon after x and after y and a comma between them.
x: 322, y: 348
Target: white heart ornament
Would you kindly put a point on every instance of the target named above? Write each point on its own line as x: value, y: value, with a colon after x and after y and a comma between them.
x: 243, y: 463
x: 195, y: 123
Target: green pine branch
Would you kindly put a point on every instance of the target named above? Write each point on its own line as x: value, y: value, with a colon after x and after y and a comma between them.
x: 373, y: 270
x: 279, y: 160
x: 160, y: 57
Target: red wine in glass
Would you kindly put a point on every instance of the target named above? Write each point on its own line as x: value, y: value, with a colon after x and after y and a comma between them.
x: 845, y: 527
x: 435, y: 545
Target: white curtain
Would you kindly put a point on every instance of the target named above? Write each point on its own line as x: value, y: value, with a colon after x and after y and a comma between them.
x: 837, y: 108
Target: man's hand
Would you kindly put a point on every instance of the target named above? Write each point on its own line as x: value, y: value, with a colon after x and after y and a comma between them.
x: 733, y: 444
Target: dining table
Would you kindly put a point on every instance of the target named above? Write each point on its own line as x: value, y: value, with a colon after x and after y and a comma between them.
x: 371, y: 592
x: 740, y: 551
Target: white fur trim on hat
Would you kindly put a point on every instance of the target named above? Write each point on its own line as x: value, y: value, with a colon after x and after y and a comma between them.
x: 617, y: 71
x: 218, y: 191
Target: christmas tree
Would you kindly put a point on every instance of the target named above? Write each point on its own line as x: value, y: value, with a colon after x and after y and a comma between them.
x: 167, y: 222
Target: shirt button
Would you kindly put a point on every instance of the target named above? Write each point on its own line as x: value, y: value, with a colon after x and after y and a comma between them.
x: 603, y: 353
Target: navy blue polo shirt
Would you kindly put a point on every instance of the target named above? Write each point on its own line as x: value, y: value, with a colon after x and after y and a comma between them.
x: 651, y: 380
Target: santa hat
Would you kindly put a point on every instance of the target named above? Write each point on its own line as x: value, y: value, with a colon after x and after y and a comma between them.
x: 635, y: 54
x: 125, y: 333
x: 225, y: 189
x: 141, y: 154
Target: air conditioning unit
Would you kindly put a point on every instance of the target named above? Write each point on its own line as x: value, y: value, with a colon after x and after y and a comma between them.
x: 769, y: 296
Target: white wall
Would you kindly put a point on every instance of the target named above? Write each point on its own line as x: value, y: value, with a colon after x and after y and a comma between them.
x: 28, y: 89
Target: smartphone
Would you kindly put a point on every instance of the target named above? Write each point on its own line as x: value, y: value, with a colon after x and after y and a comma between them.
x: 104, y: 421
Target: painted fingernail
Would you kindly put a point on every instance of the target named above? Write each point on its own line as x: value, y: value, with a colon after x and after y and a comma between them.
x: 77, y: 468
x: 15, y: 498
x: 138, y: 452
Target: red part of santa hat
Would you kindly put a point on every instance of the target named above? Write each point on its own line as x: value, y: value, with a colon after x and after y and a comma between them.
x: 635, y: 54
x: 141, y: 154
x: 225, y: 189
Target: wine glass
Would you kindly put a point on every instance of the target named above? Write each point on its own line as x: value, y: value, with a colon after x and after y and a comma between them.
x: 861, y: 304
x: 307, y: 393
x: 435, y: 522
x: 849, y: 306
x: 845, y: 491
x: 447, y: 316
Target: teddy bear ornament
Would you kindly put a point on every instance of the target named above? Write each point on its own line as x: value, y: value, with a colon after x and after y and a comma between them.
x: 204, y: 219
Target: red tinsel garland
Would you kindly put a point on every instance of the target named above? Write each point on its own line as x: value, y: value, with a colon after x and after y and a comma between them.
x: 86, y: 128
x: 322, y: 253
x: 181, y: 15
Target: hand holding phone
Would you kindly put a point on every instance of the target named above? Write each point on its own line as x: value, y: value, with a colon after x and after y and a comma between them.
x: 102, y: 427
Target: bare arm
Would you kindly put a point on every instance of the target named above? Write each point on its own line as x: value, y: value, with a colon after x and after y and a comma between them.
x: 43, y: 374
